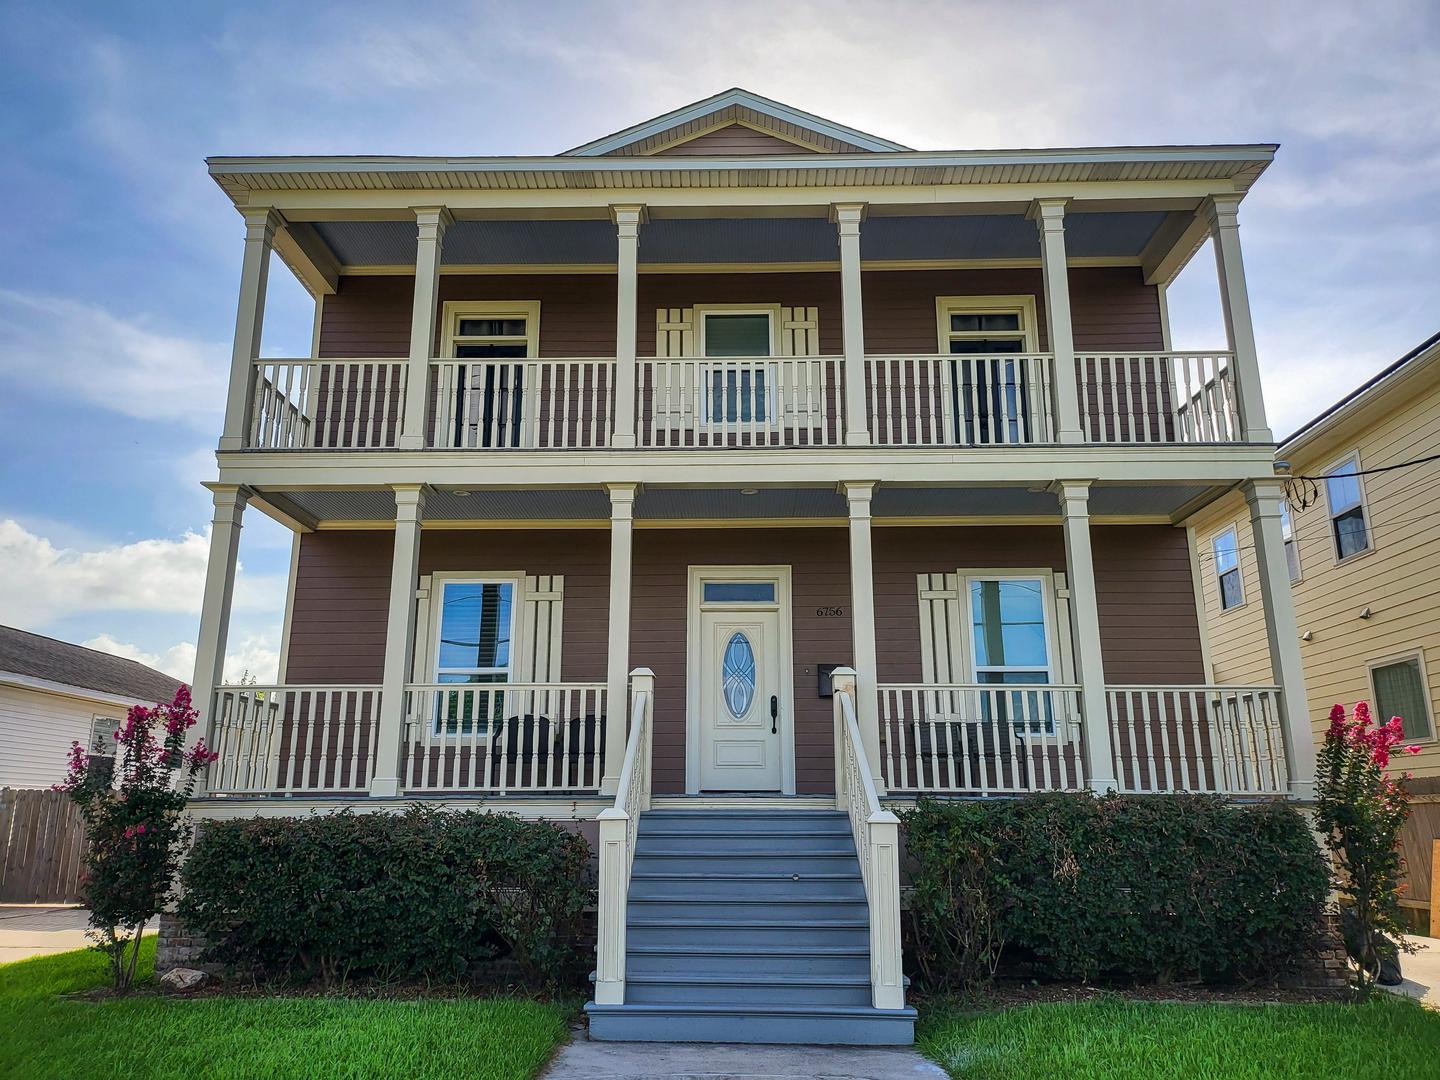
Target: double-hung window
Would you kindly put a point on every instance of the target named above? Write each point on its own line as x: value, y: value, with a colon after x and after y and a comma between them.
x: 990, y: 392
x: 1400, y: 690
x: 1346, y: 502
x: 1226, y: 548
x: 489, y: 387
x: 738, y: 392
x: 474, y: 635
x: 1010, y: 645
x: 1292, y: 549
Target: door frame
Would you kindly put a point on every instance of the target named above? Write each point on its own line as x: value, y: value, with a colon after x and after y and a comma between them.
x: 697, y: 576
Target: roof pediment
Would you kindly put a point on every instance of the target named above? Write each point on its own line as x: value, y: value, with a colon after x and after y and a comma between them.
x: 735, y: 123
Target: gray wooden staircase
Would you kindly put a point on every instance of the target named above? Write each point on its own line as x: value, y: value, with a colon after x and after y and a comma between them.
x: 748, y: 926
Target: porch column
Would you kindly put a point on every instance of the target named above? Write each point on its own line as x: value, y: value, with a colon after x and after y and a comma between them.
x: 1049, y: 217
x: 230, y: 500
x: 617, y: 650
x: 260, y: 226
x: 847, y: 218
x: 1282, y: 633
x: 431, y: 223
x: 1085, y: 631
x: 399, y: 637
x: 627, y: 263
x: 862, y: 621
x: 1221, y: 214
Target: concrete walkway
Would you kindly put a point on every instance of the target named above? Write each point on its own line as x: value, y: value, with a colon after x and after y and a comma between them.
x: 1421, y: 971
x: 38, y: 929
x: 585, y: 1060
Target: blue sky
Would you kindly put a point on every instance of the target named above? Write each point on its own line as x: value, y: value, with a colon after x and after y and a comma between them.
x: 119, y: 259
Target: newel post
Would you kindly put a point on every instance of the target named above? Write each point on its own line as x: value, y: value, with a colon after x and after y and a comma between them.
x: 610, y: 906
x: 842, y: 681
x: 887, y: 976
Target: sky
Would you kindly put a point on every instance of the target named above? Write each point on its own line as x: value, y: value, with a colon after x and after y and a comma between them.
x: 120, y: 259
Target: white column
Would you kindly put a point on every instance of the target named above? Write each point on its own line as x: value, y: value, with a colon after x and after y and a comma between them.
x: 862, y: 621
x: 617, y: 650
x: 847, y: 218
x: 431, y: 223
x: 627, y: 264
x: 260, y: 226
x: 1049, y: 216
x: 1282, y: 633
x: 1085, y: 631
x: 399, y: 637
x: 1221, y: 215
x: 230, y: 500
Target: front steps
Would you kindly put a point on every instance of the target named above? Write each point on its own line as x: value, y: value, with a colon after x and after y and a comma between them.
x: 750, y: 926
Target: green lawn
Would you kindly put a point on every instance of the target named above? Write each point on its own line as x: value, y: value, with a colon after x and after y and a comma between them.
x: 45, y: 1035
x: 1114, y: 1039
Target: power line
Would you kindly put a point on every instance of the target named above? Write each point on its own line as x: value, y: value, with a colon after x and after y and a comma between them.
x: 1303, y: 492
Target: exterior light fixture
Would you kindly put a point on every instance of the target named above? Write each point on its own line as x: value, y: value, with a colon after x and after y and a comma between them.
x: 749, y: 491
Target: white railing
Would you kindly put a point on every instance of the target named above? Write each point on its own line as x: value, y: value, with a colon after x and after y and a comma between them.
x: 1225, y: 739
x: 521, y: 404
x: 502, y: 738
x: 877, y: 843
x: 960, y: 400
x: 327, y: 404
x: 754, y: 401
x: 618, y: 826
x: 1173, y: 397
x: 981, y: 739
x: 294, y: 739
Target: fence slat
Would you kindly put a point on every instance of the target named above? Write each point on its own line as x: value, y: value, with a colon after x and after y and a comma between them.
x: 42, y: 847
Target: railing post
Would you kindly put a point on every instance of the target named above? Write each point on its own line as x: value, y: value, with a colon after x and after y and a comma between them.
x: 622, y: 528
x: 610, y: 906
x: 842, y: 681
x: 260, y: 226
x: 430, y: 225
x: 1085, y: 630
x: 1221, y: 213
x: 887, y: 979
x: 230, y: 500
x: 642, y: 681
x: 627, y: 259
x: 847, y: 218
x: 1049, y: 217
x: 1282, y: 634
x: 862, y: 621
x: 399, y: 638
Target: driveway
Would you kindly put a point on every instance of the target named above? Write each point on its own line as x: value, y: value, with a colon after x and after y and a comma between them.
x: 585, y: 1060
x: 37, y: 929
x: 1422, y: 971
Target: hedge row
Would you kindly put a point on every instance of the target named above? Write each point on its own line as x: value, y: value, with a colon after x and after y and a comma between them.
x: 417, y: 895
x: 1131, y: 888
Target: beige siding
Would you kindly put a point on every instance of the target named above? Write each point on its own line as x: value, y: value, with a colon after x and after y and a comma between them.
x: 36, y: 730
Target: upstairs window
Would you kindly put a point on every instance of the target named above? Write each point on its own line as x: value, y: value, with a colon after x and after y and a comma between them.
x: 991, y: 395
x: 1346, y: 501
x: 1400, y: 690
x: 485, y: 390
x: 1227, y: 569
x: 1292, y: 550
x: 738, y: 393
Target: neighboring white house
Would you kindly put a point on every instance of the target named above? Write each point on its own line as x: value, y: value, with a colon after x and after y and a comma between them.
x: 53, y: 693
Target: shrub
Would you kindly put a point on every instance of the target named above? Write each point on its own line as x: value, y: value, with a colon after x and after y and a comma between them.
x: 1120, y: 887
x: 134, y: 811
x: 1360, y: 811
x: 424, y: 894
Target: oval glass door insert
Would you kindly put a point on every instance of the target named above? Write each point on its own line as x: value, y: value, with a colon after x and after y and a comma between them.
x: 737, y: 669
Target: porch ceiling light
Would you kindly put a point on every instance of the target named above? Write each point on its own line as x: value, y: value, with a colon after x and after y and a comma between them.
x: 462, y: 493
x: 749, y: 491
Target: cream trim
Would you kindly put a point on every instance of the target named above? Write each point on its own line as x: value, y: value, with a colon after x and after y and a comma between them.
x: 1197, y: 586
x: 1418, y: 655
x: 560, y: 808
x: 452, y: 311
x: 484, y: 524
x: 1021, y: 304
x: 440, y: 578
x: 702, y: 310
x: 288, y: 622
x: 79, y: 693
x: 822, y: 266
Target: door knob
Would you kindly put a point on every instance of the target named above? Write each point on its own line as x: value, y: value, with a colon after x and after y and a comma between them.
x: 774, y: 712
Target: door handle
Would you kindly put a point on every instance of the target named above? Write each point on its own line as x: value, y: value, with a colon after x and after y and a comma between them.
x: 774, y: 712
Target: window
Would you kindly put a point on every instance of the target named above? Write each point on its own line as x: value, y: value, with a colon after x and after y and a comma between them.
x: 475, y: 628
x: 738, y: 592
x: 1227, y: 569
x: 1010, y: 644
x: 1292, y: 549
x: 102, y: 747
x: 991, y: 395
x: 1347, y: 510
x: 738, y: 675
x: 488, y: 393
x: 738, y: 392
x: 1400, y: 691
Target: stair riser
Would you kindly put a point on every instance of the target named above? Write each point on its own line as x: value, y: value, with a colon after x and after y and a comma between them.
x: 750, y: 863
x: 732, y: 818
x: 793, y: 937
x: 745, y: 828
x: 801, y: 914
x: 808, y: 1030
x: 639, y: 993
x: 682, y: 963
x: 720, y: 889
x: 745, y: 844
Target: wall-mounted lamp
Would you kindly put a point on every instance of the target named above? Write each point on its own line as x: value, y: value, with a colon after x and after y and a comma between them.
x: 1366, y: 613
x: 1306, y: 636
x: 1281, y: 467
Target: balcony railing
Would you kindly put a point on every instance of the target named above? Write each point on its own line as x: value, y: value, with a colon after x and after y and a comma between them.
x: 780, y: 401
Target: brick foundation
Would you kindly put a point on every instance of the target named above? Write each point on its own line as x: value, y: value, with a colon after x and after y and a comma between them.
x: 1328, y: 965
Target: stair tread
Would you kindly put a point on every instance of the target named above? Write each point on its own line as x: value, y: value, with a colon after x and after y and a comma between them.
x: 710, y: 853
x: 741, y: 978
x: 787, y: 924
x: 858, y: 1012
x: 762, y: 875
x: 689, y: 898
x: 751, y: 950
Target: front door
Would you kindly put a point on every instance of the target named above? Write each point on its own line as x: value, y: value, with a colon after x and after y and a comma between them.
x: 741, y: 686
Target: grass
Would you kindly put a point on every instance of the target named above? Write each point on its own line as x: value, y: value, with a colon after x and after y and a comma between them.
x: 147, y: 1035
x: 1115, y: 1039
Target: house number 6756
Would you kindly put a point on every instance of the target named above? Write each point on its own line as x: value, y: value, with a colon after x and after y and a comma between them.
x: 829, y: 612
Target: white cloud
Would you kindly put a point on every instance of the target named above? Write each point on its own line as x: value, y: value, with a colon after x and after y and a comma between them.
x: 255, y: 654
x: 73, y: 350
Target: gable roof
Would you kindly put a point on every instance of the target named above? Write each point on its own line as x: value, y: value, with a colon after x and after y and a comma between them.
x: 37, y: 657
x: 730, y: 108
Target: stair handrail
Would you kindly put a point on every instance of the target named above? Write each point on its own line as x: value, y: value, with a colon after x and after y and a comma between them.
x: 877, y: 843
x: 618, y: 824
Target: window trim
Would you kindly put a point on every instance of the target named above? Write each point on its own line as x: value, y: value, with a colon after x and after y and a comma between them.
x: 1418, y: 655
x: 438, y: 581
x: 1286, y: 515
x: 763, y: 364
x: 1233, y: 527
x: 702, y: 310
x: 1336, y: 463
x: 1046, y: 578
x: 452, y: 311
x: 1022, y: 304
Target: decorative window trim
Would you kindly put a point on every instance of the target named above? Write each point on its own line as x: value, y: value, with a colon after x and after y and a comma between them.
x: 1022, y: 304
x: 702, y: 310
x: 756, y: 363
x: 1239, y: 571
x: 1336, y: 463
x: 438, y: 581
x: 1418, y: 655
x: 452, y: 311
x: 1046, y: 577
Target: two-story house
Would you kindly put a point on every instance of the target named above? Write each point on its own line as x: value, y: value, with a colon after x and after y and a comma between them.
x: 724, y: 482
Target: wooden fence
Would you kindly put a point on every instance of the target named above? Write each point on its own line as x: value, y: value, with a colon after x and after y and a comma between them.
x: 42, y: 847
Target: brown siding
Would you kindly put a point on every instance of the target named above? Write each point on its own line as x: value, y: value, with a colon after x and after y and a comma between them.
x: 1149, y: 627
x: 735, y: 140
x: 820, y: 290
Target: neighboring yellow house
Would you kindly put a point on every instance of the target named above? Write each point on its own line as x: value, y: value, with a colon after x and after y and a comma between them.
x: 1364, y: 557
